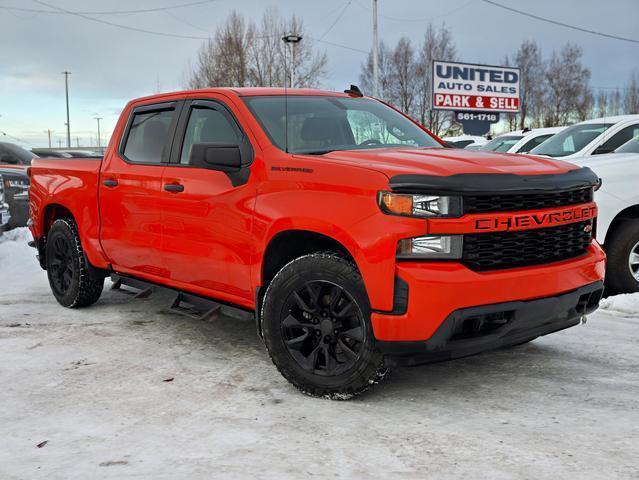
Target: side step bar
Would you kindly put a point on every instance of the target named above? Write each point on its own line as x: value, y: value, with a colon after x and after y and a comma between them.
x: 193, y: 306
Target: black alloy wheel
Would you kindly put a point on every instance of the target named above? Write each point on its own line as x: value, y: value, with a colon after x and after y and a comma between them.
x: 316, y: 326
x: 72, y: 281
x: 61, y: 265
x: 323, y: 328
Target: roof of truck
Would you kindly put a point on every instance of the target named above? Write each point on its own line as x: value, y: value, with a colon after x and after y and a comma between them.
x: 247, y: 92
x: 258, y: 91
x: 612, y: 119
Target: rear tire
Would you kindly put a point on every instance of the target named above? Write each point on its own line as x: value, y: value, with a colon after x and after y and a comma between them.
x: 317, y: 329
x: 622, y: 273
x: 67, y: 267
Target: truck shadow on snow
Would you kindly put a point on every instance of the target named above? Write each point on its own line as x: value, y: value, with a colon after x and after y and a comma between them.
x: 235, y: 339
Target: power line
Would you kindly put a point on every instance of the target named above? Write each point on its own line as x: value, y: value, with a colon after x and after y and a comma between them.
x: 339, y: 17
x: 109, y: 12
x: 339, y: 45
x: 561, y: 24
x: 118, y: 25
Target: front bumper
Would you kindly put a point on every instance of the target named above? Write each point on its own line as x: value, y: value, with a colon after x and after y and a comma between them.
x: 19, y: 210
x: 472, y: 330
x: 437, y: 289
x: 5, y: 217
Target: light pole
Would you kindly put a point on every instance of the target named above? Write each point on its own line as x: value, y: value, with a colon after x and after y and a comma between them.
x: 99, y: 146
x: 375, y: 51
x: 66, y: 88
x: 292, y: 39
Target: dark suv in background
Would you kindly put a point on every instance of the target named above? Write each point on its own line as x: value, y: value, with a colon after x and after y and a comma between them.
x: 15, y: 182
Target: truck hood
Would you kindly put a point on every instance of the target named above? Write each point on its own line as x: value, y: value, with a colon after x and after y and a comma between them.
x: 609, y: 159
x: 447, y: 161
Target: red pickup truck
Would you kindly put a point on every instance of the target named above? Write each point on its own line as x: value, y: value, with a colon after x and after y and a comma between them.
x: 356, y: 237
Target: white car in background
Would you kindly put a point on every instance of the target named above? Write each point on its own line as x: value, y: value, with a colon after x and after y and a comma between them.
x: 592, y: 137
x: 520, y: 141
x: 463, y: 141
x: 618, y: 218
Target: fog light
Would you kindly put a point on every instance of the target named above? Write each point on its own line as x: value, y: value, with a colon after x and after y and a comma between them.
x: 432, y: 246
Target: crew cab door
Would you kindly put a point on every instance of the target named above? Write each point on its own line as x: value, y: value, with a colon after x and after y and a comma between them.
x: 207, y: 213
x: 131, y: 191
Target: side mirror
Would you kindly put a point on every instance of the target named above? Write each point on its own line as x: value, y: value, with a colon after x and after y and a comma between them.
x: 216, y: 156
x: 601, y: 150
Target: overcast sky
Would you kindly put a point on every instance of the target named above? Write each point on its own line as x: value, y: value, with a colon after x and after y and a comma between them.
x: 111, y: 65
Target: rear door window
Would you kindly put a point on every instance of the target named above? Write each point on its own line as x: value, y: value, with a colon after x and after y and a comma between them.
x: 619, y: 138
x: 149, y: 135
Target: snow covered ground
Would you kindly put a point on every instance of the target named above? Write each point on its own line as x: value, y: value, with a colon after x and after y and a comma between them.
x: 93, y: 384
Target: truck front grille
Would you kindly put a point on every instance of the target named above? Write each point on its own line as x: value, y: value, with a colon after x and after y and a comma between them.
x: 500, y: 250
x: 512, y: 203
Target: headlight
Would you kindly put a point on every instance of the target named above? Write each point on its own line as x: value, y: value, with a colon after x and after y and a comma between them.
x: 433, y: 246
x: 16, y: 184
x: 422, y: 206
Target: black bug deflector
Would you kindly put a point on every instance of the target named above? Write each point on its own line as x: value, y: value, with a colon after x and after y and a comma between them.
x: 477, y: 329
x: 494, y: 183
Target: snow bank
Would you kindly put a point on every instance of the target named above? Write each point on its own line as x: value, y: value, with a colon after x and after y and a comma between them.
x: 627, y: 304
x: 19, y: 269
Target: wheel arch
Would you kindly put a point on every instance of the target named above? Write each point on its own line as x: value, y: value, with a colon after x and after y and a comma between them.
x: 288, y: 244
x: 55, y: 211
x: 628, y: 213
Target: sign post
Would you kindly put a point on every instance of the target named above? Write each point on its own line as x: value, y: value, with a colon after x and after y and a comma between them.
x: 476, y: 93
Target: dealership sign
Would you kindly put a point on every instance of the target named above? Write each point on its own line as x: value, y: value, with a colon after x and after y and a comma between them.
x: 475, y: 88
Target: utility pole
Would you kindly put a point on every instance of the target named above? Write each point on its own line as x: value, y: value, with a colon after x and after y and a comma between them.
x: 49, y: 134
x: 66, y: 88
x: 99, y: 146
x: 77, y: 142
x: 375, y: 52
x: 59, y: 143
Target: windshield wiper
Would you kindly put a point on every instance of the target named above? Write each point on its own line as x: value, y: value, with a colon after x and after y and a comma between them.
x: 318, y: 152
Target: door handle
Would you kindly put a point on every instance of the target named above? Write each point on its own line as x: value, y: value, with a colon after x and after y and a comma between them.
x: 110, y: 183
x: 174, y: 187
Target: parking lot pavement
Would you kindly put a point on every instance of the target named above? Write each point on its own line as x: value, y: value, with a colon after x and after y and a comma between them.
x: 128, y: 389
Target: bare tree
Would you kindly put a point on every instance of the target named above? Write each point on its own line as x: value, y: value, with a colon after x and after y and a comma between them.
x: 266, y: 66
x: 510, y: 118
x: 602, y: 103
x: 222, y: 61
x: 306, y: 67
x: 568, y: 94
x: 437, y: 44
x: 532, y: 69
x: 615, y: 102
x: 366, y: 72
x: 242, y: 54
x: 402, y: 70
x: 631, y: 97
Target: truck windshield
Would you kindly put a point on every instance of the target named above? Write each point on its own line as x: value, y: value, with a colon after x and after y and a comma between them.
x: 571, y: 140
x: 321, y: 124
x: 501, y: 144
x: 10, y: 153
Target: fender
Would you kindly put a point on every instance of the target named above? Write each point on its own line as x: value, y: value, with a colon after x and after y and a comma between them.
x: 71, y: 185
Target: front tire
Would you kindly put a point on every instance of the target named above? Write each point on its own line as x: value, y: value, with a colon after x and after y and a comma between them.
x: 67, y: 268
x: 317, y: 329
x: 622, y: 273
